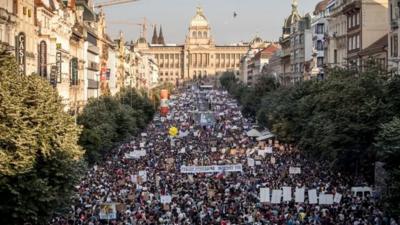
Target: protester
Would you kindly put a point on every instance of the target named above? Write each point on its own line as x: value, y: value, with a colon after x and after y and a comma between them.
x: 137, y: 182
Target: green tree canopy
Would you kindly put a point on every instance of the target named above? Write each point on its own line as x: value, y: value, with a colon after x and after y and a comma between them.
x: 40, y: 160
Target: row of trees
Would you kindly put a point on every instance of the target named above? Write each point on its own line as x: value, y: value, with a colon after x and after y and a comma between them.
x: 43, y: 152
x: 348, y: 120
x: 109, y: 120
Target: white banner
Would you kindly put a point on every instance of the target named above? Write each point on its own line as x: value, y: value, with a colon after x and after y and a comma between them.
x: 264, y: 195
x: 108, y: 211
x: 287, y: 194
x: 212, y: 169
x: 165, y: 199
x: 299, y: 195
x: 325, y: 199
x: 312, y: 196
x: 276, y: 196
x: 338, y: 198
x: 294, y: 170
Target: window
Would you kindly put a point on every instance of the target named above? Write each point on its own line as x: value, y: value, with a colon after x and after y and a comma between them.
x: 320, y: 61
x: 199, y: 34
x: 319, y: 29
x: 74, y: 71
x: 394, y: 46
x: 194, y: 34
x: 335, y: 56
x: 24, y: 11
x: 205, y: 34
x: 319, y: 45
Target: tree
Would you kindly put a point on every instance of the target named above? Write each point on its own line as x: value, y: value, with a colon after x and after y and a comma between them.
x: 388, y: 147
x: 40, y: 160
x: 109, y: 120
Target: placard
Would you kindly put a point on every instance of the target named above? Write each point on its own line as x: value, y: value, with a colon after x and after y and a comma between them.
x: 325, y: 199
x: 299, y: 195
x: 294, y: 170
x: 108, y: 211
x: 312, y: 196
x: 250, y: 162
x: 338, y: 198
x: 264, y: 195
x: 143, y: 175
x: 268, y: 150
x: 276, y: 196
x: 287, y: 194
x: 165, y: 199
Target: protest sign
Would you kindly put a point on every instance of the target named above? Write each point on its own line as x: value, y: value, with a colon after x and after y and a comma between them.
x: 212, y: 169
x: 312, y: 196
x: 134, y: 179
x: 338, y: 198
x: 165, y: 199
x: 294, y: 170
x: 108, y: 211
x: 258, y: 163
x: 142, y: 145
x: 276, y: 196
x: 262, y: 152
x: 143, y: 175
x: 268, y: 150
x: 299, y: 195
x: 264, y: 195
x: 273, y: 160
x: 213, y: 149
x: 325, y: 199
x: 250, y: 162
x: 287, y: 194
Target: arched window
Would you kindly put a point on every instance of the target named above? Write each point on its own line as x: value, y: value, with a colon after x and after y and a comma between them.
x: 205, y: 73
x: 194, y: 34
x: 199, y: 34
x: 205, y: 34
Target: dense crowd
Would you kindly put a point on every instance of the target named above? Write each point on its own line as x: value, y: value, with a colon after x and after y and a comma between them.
x: 136, y: 184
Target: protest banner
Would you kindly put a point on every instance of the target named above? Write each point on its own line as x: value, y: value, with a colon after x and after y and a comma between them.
x: 287, y: 194
x: 212, y: 169
x: 264, y: 195
x: 276, y: 196
x: 165, y: 199
x: 325, y: 199
x: 299, y: 195
x: 338, y: 198
x: 258, y: 163
x: 108, y: 211
x: 294, y: 170
x: 312, y: 196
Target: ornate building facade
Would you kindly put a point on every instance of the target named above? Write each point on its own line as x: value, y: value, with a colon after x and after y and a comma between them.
x: 198, y: 57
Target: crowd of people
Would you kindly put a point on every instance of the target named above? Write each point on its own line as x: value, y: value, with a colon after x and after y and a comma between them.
x: 135, y: 184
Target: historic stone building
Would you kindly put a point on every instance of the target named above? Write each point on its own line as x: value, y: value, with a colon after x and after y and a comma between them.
x: 198, y: 57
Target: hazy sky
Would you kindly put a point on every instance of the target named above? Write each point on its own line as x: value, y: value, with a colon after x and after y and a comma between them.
x: 262, y: 17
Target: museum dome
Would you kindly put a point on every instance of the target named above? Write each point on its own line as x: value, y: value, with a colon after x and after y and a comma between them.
x: 199, y: 20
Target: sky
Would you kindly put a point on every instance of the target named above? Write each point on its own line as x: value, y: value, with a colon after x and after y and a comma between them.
x: 254, y: 17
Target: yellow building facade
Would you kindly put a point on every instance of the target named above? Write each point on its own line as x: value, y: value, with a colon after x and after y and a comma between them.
x: 198, y: 57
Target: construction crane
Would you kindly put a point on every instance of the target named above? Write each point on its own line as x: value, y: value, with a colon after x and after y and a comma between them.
x: 143, y: 25
x: 113, y: 2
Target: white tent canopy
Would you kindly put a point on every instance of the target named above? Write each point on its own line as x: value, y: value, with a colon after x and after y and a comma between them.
x: 265, y: 136
x: 253, y: 133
